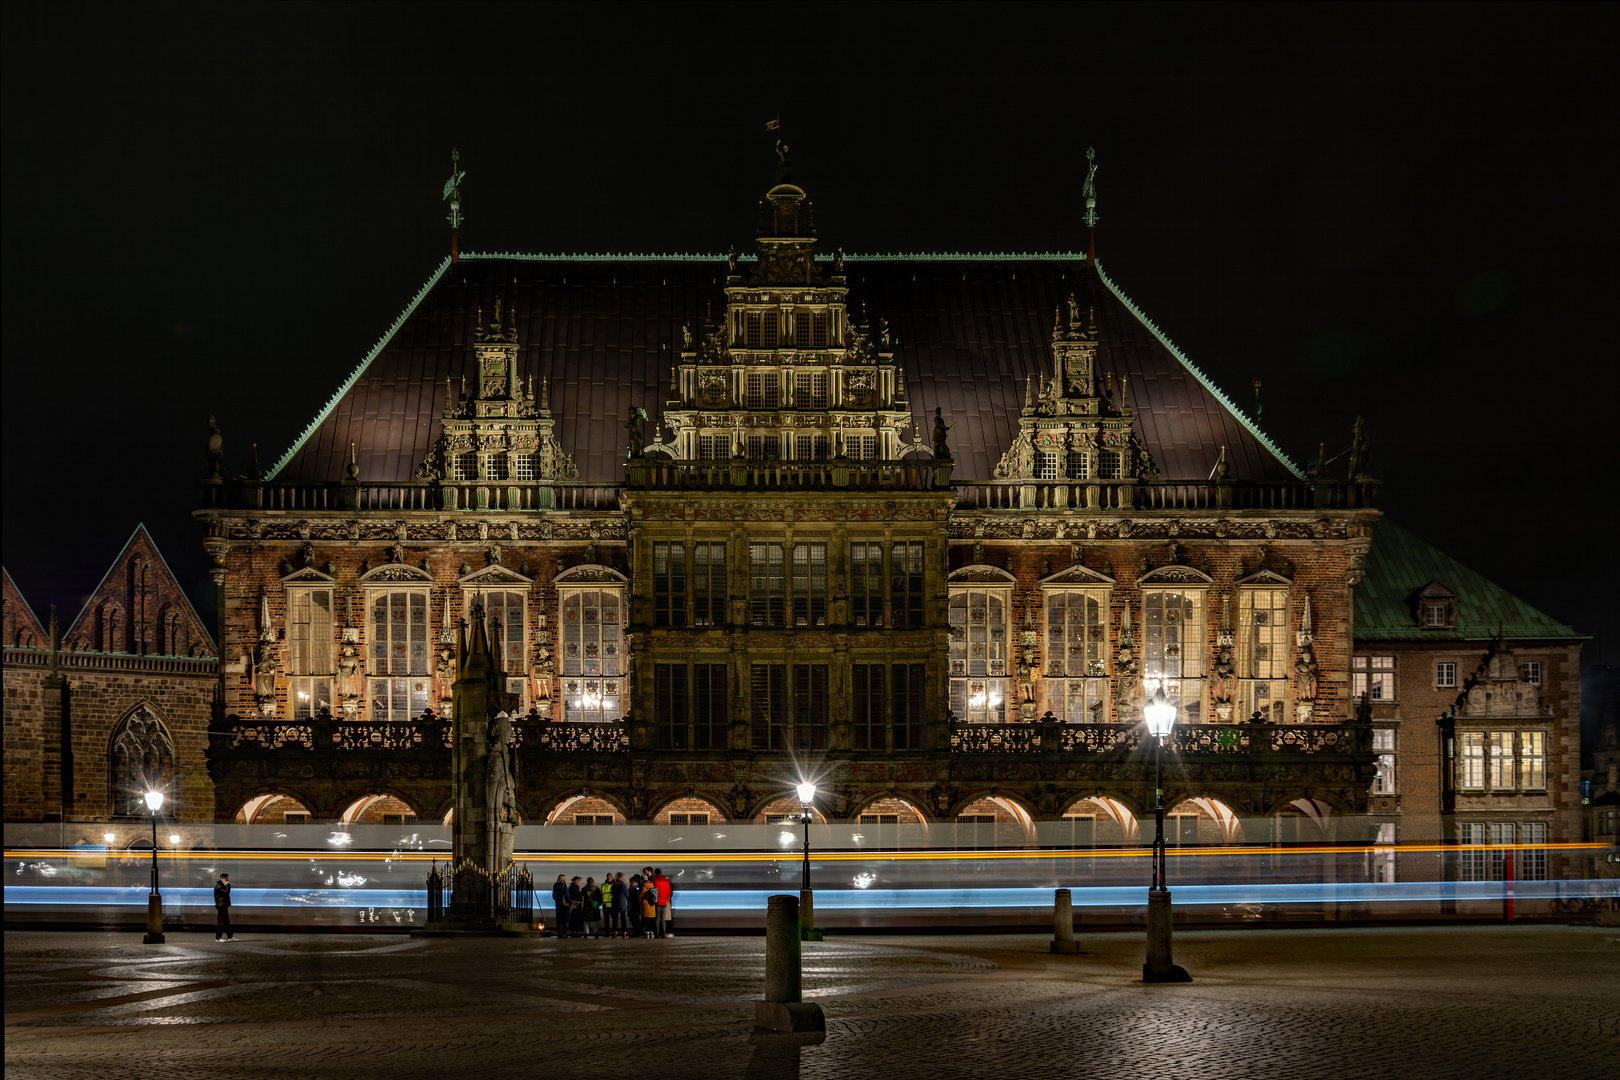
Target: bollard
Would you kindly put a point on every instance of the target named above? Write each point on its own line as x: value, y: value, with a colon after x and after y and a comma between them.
x: 807, y: 916
x: 1063, y: 924
x: 154, y: 920
x: 784, y: 1007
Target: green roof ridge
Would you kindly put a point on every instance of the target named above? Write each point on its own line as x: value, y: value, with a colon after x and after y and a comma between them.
x: 938, y: 256
x: 354, y: 376
x: 1208, y: 384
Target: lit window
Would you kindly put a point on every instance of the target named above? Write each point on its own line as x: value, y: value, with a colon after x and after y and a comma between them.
x: 1076, y: 647
x: 1373, y: 676
x: 1383, y: 856
x: 1173, y: 647
x: 1532, y: 859
x: 399, y: 654
x: 1262, y: 653
x: 1384, y: 747
x: 592, y: 644
x: 1530, y: 671
x: 1445, y: 674
x: 978, y: 656
x: 1532, y: 759
x: 1499, y: 755
x: 504, y: 621
x: 309, y: 649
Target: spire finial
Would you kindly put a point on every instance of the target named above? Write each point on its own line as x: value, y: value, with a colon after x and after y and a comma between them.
x: 452, y: 191
x: 1089, y: 191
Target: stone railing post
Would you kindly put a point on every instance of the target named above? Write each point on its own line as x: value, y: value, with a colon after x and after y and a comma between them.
x: 784, y: 1007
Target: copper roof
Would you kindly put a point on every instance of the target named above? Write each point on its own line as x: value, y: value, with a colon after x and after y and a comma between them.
x: 968, y: 331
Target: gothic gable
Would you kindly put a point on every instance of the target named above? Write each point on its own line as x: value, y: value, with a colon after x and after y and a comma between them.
x: 140, y: 608
x: 22, y: 628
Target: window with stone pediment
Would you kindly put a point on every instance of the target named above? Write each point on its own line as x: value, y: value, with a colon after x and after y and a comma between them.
x: 980, y: 609
x: 1262, y: 650
x: 1174, y: 640
x: 310, y: 641
x: 1076, y: 654
x: 593, y: 617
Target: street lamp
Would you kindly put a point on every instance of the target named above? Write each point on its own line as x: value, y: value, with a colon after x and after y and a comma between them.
x: 807, y: 917
x: 1160, y: 715
x: 154, y: 901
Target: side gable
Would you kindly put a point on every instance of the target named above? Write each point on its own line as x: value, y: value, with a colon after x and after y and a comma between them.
x: 1402, y: 568
x: 22, y: 627
x: 139, y: 607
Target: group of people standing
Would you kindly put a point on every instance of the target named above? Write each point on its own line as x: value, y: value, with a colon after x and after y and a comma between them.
x: 614, y: 907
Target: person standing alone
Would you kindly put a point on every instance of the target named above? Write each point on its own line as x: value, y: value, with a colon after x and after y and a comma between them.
x: 222, y: 909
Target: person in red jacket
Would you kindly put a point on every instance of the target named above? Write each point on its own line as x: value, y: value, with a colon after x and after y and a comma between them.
x: 664, y: 890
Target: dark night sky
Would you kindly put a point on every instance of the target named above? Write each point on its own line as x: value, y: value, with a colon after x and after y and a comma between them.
x: 1404, y: 212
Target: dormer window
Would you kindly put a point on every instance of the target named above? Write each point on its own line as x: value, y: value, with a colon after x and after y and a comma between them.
x: 1437, y: 607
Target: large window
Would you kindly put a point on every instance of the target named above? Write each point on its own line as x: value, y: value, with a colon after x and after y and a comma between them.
x: 689, y: 706
x: 1384, y: 747
x: 1173, y: 648
x: 399, y: 654
x: 767, y: 585
x: 809, y: 584
x: 788, y: 714
x: 810, y: 391
x: 709, y: 584
x: 979, y: 655
x: 1533, y: 859
x: 504, y: 619
x: 1262, y: 653
x: 906, y: 583
x: 1076, y: 644
x: 714, y: 447
x: 888, y: 713
x: 1502, y: 760
x: 142, y: 761
x: 669, y: 584
x: 309, y: 650
x: 866, y: 583
x: 592, y: 654
x: 1532, y: 760
x: 860, y: 447
x: 761, y: 390
x: 1373, y: 676
x: 812, y: 448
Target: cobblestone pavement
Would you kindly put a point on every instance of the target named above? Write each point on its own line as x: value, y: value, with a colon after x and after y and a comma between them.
x: 1467, y: 1002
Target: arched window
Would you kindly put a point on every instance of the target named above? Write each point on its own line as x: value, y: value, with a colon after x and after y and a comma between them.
x: 142, y: 761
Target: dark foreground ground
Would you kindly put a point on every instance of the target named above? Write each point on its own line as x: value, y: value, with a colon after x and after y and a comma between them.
x: 1466, y: 1002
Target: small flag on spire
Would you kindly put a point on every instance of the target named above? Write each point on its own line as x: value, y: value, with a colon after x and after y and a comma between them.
x: 773, y: 125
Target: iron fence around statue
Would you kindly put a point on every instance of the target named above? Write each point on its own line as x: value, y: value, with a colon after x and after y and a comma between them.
x: 478, y: 896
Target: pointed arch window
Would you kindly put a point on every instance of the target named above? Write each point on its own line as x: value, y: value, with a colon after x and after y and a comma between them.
x: 142, y: 761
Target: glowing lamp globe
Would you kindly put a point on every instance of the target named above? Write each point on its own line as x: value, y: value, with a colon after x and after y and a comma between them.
x: 154, y: 801
x: 1160, y: 715
x: 807, y: 792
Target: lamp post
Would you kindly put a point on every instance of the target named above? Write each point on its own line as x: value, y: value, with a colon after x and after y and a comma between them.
x: 154, y: 901
x: 807, y: 913
x: 1161, y: 718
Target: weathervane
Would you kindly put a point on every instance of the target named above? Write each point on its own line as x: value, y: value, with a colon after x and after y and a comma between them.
x: 452, y: 191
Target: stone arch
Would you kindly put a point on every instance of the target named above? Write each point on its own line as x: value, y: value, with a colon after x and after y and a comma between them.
x: 593, y: 803
x: 140, y: 758
x: 1011, y: 824
x: 1217, y: 823
x: 889, y: 803
x: 787, y: 805
x: 1115, y: 822
x: 687, y: 804
x: 1297, y: 818
x: 369, y: 809
x: 272, y: 808
x: 889, y: 821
